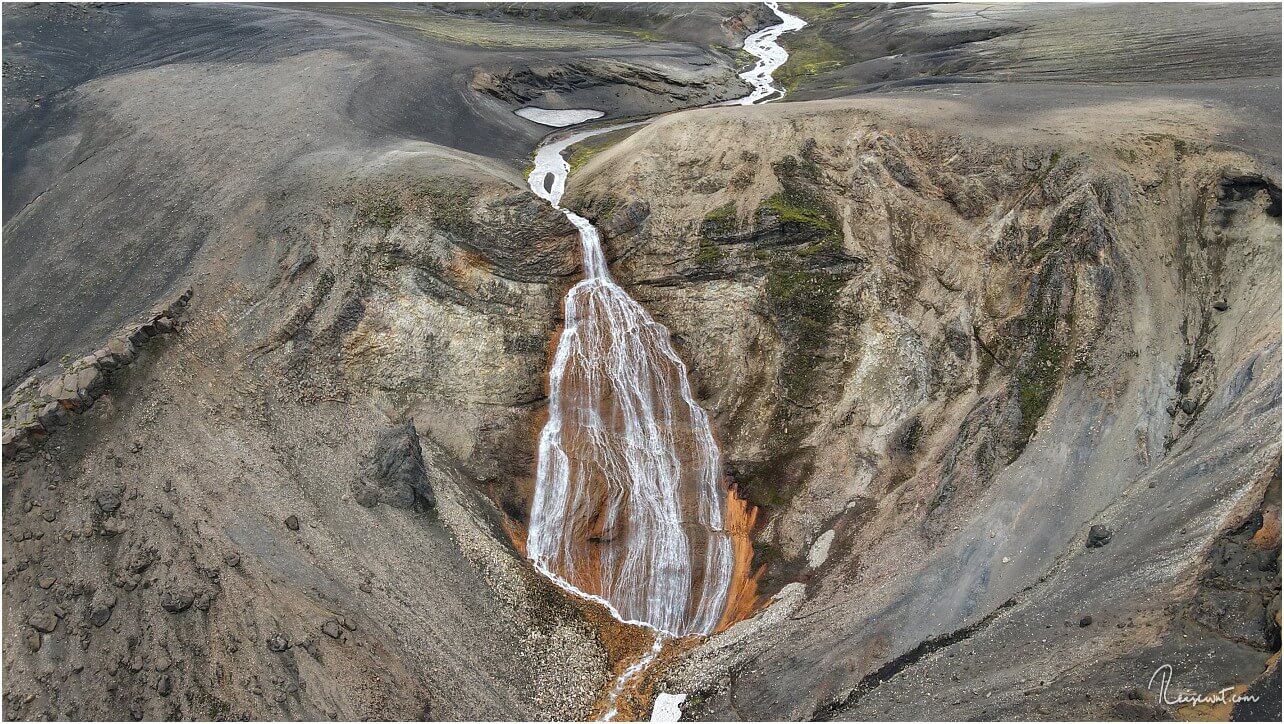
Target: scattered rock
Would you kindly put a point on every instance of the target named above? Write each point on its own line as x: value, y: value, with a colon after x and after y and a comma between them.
x: 32, y: 640
x: 292, y: 522
x: 348, y: 623
x: 47, y: 582
x: 108, y: 501
x: 164, y: 685
x: 177, y: 601
x: 331, y: 629
x: 1098, y: 536
x: 114, y: 526
x: 1221, y: 305
x: 43, y: 621
x: 232, y: 560
x: 1085, y: 621
x: 99, y: 615
x: 278, y: 643
x: 1188, y: 406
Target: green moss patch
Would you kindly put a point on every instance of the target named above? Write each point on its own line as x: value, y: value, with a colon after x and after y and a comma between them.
x: 449, y: 205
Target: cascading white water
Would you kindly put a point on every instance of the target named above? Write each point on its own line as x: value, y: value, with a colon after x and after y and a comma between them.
x: 629, y: 504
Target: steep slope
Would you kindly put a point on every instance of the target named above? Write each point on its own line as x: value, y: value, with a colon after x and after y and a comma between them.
x: 936, y: 355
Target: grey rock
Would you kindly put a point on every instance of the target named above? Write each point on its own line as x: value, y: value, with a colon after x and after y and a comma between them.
x: 177, y: 600
x: 331, y: 628
x: 1188, y: 406
x: 99, y: 615
x: 1098, y: 536
x: 1085, y: 621
x: 164, y: 685
x: 108, y: 501
x: 278, y: 643
x: 43, y: 621
x: 292, y: 522
x: 1221, y: 305
x: 396, y: 474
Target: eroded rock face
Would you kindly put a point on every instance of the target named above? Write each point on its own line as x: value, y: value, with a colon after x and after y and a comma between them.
x: 395, y: 474
x: 953, y: 353
x: 212, y: 492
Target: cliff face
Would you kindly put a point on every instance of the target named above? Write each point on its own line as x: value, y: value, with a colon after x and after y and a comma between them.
x: 935, y: 359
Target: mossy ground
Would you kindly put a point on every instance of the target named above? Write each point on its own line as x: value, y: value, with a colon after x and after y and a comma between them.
x: 811, y: 54
x: 449, y: 205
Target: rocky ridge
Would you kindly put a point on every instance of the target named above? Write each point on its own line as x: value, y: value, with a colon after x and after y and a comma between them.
x: 38, y: 406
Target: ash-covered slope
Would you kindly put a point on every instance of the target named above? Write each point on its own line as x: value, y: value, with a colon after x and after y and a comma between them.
x: 280, y: 511
x: 937, y: 354
x: 137, y: 137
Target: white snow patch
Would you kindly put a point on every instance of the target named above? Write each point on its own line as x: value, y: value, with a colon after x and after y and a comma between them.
x: 820, y: 549
x: 558, y: 119
x: 667, y: 707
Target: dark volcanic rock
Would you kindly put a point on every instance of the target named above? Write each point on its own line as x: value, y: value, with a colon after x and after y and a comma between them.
x: 1098, y: 536
x: 177, y: 601
x: 396, y: 474
x: 331, y: 629
x: 99, y: 615
x: 292, y: 522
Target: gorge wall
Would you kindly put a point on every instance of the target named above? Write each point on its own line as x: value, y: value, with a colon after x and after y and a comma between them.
x: 935, y: 358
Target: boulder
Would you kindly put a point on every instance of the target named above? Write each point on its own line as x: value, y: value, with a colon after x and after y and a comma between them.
x: 395, y: 473
x: 44, y: 622
x: 177, y: 600
x: 1098, y: 536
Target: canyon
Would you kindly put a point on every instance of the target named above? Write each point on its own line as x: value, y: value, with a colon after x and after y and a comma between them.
x: 983, y: 332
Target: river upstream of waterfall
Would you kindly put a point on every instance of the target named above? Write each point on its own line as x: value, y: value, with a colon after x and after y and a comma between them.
x: 630, y: 505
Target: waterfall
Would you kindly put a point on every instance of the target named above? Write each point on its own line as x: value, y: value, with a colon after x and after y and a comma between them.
x: 629, y: 504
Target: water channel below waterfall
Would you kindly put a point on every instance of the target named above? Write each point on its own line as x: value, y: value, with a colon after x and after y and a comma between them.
x: 630, y: 505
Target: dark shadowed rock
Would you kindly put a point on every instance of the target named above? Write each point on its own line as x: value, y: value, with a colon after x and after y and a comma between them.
x: 278, y: 643
x: 176, y: 601
x: 395, y: 473
x: 1098, y: 536
x: 99, y: 615
x: 108, y: 501
x: 292, y: 522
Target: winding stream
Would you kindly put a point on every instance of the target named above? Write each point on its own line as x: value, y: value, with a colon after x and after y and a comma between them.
x: 629, y: 500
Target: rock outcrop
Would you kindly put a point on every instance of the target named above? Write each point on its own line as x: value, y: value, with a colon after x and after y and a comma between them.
x: 39, y: 406
x: 395, y: 474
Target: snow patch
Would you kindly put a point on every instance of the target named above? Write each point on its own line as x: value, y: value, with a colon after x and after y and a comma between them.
x: 820, y: 549
x: 558, y: 119
x: 668, y: 707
